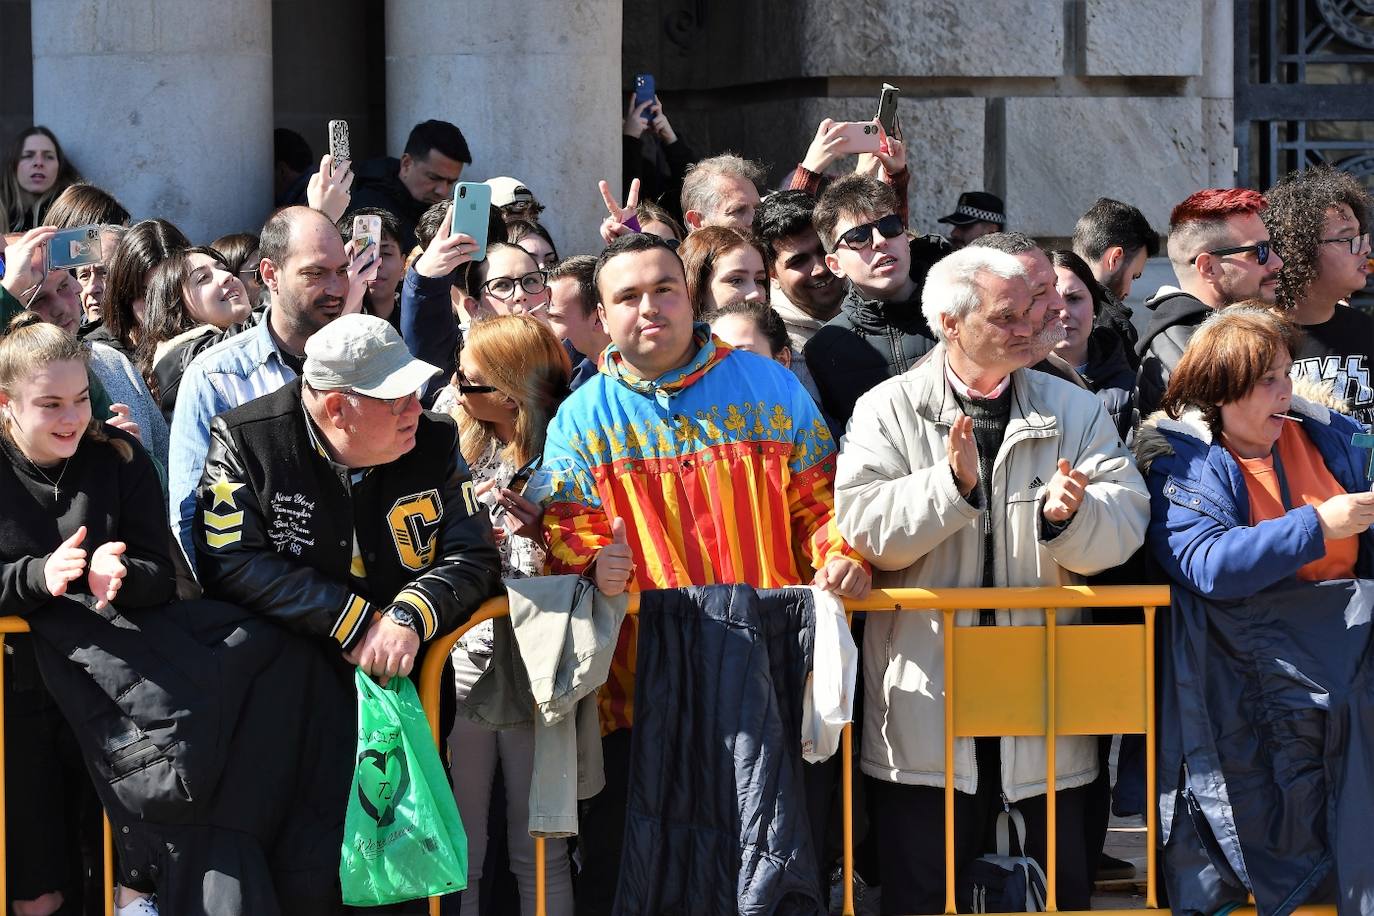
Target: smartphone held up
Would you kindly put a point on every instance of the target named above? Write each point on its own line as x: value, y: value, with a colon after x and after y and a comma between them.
x: 472, y: 214
x: 644, y: 92
x: 367, y: 230
x: 339, y: 150
x: 73, y: 248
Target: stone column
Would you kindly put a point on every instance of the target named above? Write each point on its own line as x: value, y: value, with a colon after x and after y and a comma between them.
x: 170, y: 112
x: 534, y: 86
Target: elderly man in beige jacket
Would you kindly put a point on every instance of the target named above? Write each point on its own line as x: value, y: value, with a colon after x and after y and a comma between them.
x: 972, y: 470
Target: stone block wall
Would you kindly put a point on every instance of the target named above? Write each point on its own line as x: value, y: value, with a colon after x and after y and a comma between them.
x: 1050, y: 104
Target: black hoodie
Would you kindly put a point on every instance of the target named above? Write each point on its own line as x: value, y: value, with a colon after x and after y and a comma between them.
x: 1109, y: 375
x: 866, y: 343
x: 1176, y: 316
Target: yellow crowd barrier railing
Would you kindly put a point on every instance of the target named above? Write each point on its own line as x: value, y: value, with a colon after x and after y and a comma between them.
x: 1048, y: 680
x: 16, y: 625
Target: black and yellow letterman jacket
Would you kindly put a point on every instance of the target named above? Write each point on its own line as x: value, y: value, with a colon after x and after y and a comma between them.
x: 283, y: 530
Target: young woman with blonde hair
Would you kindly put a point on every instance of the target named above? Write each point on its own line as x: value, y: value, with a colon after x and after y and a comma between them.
x: 76, y: 523
x: 512, y: 375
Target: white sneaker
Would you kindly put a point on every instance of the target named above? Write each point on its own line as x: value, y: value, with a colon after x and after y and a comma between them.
x: 143, y: 906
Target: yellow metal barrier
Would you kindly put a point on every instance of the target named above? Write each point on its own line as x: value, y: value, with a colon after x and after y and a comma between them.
x: 17, y: 625
x: 1094, y: 680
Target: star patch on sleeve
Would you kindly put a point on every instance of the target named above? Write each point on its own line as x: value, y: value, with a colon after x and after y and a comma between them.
x: 223, y: 529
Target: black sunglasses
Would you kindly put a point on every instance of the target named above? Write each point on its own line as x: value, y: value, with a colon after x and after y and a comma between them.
x: 466, y: 387
x: 1261, y: 250
x: 889, y: 227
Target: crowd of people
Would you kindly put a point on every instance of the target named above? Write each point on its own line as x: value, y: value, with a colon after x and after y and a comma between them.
x: 769, y: 387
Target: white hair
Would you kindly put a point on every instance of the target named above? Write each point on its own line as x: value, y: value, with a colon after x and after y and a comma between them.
x: 952, y: 286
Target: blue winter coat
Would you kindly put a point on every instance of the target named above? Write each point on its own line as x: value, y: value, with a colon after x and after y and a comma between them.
x: 1263, y: 726
x: 1200, y: 530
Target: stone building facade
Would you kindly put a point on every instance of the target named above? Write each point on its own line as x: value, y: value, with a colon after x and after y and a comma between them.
x: 1049, y: 103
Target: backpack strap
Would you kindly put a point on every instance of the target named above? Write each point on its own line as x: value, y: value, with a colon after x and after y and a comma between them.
x: 1011, y: 823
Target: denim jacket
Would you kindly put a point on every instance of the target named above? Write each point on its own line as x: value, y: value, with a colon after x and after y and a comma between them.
x: 1200, y: 529
x: 231, y: 373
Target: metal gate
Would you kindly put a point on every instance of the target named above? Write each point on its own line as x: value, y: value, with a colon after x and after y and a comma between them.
x: 1304, y: 70
x: 1302, y: 87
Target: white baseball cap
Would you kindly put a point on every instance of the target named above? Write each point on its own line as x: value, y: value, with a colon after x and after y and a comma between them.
x: 366, y: 355
x: 506, y: 190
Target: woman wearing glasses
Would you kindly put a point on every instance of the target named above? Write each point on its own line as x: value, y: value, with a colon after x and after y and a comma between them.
x: 1319, y: 219
x: 512, y: 375
x: 507, y: 282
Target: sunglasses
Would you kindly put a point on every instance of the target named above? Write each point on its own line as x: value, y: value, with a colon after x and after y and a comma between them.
x: 520, y: 207
x: 1261, y: 250
x: 466, y: 387
x: 534, y: 283
x: 861, y: 236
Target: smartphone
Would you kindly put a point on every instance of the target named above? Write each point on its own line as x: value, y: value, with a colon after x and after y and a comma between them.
x: 644, y: 92
x: 887, y: 110
x: 368, y: 230
x: 472, y: 214
x: 521, y: 477
x: 338, y: 141
x: 72, y: 248
x: 861, y: 137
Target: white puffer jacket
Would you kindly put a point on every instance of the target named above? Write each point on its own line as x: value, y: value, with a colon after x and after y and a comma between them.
x: 897, y: 504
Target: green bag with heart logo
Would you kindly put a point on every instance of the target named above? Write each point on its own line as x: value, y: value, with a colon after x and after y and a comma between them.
x: 402, y: 836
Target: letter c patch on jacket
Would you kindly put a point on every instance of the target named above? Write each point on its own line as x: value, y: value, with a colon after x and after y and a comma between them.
x: 414, y: 522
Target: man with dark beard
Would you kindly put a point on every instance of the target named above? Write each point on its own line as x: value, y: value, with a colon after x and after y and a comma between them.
x: 1115, y: 240
x: 305, y: 270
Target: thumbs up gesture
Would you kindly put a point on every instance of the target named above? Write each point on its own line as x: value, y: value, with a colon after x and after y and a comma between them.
x: 615, y: 563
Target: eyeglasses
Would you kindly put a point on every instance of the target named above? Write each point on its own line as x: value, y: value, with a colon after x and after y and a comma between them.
x: 1261, y: 250
x: 249, y: 274
x: 534, y: 283
x: 1355, y: 242
x: 397, y: 406
x: 861, y: 236
x: 466, y: 387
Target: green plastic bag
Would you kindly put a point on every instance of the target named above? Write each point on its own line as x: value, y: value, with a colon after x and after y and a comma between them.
x: 402, y: 836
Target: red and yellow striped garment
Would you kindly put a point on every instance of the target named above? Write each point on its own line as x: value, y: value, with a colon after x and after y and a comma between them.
x: 723, y: 471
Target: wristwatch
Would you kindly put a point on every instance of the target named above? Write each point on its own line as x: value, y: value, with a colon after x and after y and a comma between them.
x: 405, y: 616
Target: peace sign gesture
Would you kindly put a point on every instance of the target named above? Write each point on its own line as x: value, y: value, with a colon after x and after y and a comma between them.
x: 622, y: 220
